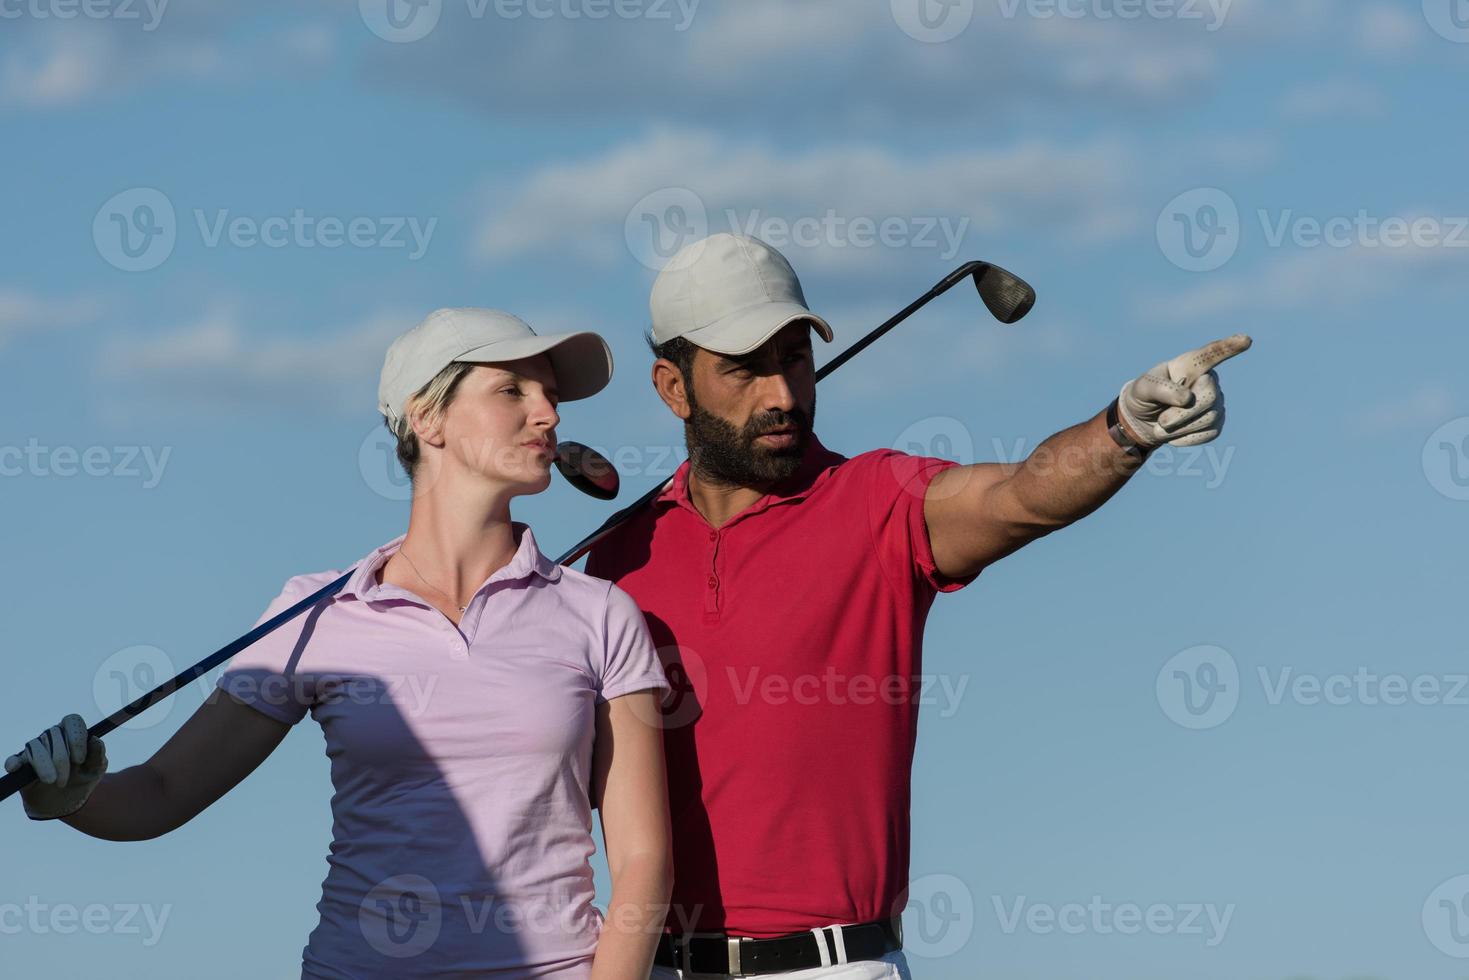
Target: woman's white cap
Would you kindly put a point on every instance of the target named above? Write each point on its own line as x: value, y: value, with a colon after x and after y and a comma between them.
x: 582, y: 361
x: 729, y: 294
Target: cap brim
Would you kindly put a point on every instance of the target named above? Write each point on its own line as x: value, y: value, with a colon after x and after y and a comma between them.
x: 744, y: 330
x: 582, y: 361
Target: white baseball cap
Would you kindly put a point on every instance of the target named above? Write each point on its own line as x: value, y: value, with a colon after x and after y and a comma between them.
x: 582, y: 361
x: 729, y: 294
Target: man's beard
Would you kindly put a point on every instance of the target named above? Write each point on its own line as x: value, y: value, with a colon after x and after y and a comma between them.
x: 730, y: 456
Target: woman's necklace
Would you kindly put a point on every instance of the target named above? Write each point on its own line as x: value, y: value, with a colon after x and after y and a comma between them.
x: 426, y: 582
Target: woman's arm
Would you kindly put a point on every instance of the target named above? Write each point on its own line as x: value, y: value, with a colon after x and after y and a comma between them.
x: 222, y: 743
x: 629, y: 786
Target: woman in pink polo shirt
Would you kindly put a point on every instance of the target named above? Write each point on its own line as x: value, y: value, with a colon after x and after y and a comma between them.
x: 471, y: 692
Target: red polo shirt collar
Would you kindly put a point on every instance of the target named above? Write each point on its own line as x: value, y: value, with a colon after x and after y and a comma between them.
x: 816, y: 466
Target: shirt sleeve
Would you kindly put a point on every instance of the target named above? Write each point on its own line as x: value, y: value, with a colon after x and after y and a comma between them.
x: 630, y: 660
x: 264, y: 675
x: 898, y: 487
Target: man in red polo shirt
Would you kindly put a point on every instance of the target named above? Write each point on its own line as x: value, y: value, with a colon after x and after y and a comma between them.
x: 787, y: 587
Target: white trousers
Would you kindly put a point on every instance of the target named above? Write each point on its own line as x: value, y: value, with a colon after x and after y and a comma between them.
x: 893, y: 966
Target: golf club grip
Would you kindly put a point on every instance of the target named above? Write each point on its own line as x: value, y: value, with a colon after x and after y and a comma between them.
x: 13, y: 782
x: 942, y: 286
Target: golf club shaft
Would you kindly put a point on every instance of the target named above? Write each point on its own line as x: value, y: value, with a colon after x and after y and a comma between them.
x: 13, y: 782
x: 942, y: 286
x: 948, y: 282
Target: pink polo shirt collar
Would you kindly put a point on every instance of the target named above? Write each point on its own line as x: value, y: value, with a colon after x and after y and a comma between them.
x: 528, y: 561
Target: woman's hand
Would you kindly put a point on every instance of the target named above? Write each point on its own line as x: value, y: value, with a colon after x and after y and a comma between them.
x: 69, y: 764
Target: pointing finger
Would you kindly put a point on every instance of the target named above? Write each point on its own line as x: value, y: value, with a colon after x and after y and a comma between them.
x: 1188, y: 368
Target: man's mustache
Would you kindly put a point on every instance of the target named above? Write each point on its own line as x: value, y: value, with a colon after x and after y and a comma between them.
x: 775, y: 421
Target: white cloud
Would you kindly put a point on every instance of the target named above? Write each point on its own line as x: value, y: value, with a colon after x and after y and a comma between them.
x: 1315, y: 280
x: 1427, y: 406
x: 55, y: 67
x: 50, y: 64
x: 584, y: 206
x: 813, y: 66
x: 218, y: 363
x: 59, y: 72
x: 1343, y: 98
x: 23, y: 312
x: 1389, y: 31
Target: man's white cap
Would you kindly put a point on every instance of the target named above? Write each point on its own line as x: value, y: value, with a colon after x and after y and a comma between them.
x: 582, y: 361
x: 728, y: 294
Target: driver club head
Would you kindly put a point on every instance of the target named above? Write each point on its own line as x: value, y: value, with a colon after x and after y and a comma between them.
x: 587, y: 470
x: 1007, y: 295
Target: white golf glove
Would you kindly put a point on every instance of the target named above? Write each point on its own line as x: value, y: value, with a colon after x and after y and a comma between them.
x: 68, y: 763
x: 1179, y: 401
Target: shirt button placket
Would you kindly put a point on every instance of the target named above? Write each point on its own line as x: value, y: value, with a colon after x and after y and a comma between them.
x: 711, y: 595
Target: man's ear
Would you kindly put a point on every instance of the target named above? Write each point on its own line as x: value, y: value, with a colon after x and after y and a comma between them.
x: 672, y: 387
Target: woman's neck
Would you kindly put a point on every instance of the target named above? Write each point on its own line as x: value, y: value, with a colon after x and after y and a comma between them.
x: 457, y: 547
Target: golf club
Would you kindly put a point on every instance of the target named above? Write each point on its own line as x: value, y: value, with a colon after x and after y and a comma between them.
x: 588, y: 470
x: 582, y: 466
x: 1006, y: 295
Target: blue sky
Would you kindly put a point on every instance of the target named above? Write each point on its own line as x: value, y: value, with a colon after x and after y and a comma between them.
x: 1292, y: 170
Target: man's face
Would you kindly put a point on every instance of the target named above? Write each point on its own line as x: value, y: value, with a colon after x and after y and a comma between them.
x: 751, y: 415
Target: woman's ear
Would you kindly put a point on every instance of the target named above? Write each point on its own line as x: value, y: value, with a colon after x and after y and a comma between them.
x: 429, y: 430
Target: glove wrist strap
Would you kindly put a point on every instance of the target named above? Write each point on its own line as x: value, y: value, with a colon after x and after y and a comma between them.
x: 1119, y: 434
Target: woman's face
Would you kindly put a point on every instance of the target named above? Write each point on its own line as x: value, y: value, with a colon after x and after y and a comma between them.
x: 501, y: 423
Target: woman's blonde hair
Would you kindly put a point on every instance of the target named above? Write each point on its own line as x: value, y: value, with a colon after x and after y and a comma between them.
x: 431, y: 400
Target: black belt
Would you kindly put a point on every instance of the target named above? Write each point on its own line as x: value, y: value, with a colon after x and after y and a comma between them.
x: 721, y: 955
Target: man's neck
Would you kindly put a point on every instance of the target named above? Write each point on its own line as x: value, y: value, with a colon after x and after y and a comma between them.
x: 721, y: 502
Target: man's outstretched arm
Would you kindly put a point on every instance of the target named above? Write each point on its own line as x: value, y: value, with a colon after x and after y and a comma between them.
x: 978, y: 514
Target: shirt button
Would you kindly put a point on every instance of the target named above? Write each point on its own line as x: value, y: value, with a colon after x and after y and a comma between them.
x: 713, y: 535
x: 713, y: 581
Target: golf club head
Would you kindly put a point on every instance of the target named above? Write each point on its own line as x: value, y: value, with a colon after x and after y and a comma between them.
x: 587, y: 470
x: 1007, y: 295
